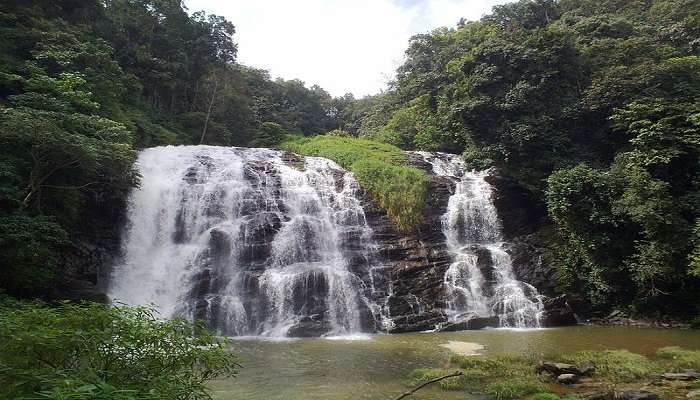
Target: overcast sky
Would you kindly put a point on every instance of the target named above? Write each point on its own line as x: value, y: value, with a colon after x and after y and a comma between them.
x: 342, y: 45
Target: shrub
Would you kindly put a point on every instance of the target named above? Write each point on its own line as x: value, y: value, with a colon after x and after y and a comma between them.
x: 88, y: 350
x: 270, y: 134
x: 379, y: 168
x: 695, y: 323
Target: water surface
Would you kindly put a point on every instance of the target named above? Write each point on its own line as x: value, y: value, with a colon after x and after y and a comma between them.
x: 378, y: 366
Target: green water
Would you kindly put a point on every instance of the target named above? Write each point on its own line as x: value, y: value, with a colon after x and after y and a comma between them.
x: 378, y: 366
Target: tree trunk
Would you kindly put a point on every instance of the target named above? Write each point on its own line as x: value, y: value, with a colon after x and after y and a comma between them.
x: 211, y: 104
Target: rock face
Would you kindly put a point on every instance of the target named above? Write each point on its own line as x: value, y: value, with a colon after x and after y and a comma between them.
x: 416, y: 262
x: 85, y: 265
x: 403, y: 276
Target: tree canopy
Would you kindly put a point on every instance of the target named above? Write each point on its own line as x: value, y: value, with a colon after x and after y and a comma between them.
x: 592, y: 105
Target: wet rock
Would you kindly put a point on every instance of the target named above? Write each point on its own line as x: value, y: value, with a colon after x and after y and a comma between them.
x: 520, y: 211
x: 558, y: 312
x: 556, y: 369
x: 567, y: 379
x: 312, y: 326
x: 417, y: 323
x: 587, y: 369
x: 638, y: 395
x: 688, y: 375
x: 471, y: 324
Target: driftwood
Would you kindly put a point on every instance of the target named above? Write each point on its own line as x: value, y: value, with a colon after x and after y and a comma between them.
x: 424, y: 384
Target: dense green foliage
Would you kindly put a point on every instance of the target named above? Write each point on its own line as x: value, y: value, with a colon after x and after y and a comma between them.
x: 592, y: 105
x: 84, y: 84
x: 378, y: 167
x: 92, y: 351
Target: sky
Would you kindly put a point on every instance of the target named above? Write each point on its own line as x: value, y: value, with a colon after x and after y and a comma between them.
x: 344, y: 46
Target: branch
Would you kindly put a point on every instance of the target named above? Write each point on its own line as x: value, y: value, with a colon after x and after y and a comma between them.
x: 421, y: 386
x: 70, y: 187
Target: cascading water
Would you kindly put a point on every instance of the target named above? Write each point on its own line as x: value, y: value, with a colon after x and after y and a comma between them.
x: 247, y: 242
x: 475, y: 288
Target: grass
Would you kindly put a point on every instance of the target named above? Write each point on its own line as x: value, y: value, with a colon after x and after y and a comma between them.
x: 511, y: 376
x: 615, y: 365
x: 676, y: 359
x: 380, y: 169
x: 500, y: 376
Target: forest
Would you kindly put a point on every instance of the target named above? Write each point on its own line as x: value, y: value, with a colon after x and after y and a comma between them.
x: 591, y: 106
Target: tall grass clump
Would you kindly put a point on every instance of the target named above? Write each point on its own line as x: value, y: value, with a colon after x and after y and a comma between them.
x: 500, y: 376
x: 380, y: 169
x: 675, y: 358
x: 615, y: 365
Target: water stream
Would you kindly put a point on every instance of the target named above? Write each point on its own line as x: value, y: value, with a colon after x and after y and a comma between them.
x: 476, y: 287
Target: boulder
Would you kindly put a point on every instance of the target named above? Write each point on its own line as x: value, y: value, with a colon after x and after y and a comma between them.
x: 310, y: 327
x: 557, y: 369
x: 567, y: 379
x: 587, y: 369
x: 638, y: 395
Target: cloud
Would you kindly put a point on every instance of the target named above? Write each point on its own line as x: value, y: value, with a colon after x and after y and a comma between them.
x: 342, y: 45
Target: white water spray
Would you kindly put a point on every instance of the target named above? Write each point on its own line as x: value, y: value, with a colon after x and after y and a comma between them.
x: 472, y: 230
x: 243, y: 240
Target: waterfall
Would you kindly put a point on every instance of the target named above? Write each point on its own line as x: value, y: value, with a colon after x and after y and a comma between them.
x: 480, y: 281
x: 248, y: 241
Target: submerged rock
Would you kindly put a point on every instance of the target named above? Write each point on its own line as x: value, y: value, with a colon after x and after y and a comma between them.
x: 463, y: 348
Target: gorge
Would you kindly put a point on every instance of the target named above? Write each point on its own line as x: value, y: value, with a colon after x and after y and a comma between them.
x: 266, y: 242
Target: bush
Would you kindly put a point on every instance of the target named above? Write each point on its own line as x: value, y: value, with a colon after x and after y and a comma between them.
x: 88, y: 350
x: 270, y: 134
x: 379, y: 168
x: 695, y: 323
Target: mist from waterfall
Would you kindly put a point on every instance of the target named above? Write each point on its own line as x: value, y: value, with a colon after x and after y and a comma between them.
x: 246, y: 241
x: 473, y: 231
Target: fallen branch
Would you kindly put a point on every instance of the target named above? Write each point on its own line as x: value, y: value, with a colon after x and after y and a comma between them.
x: 424, y: 384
